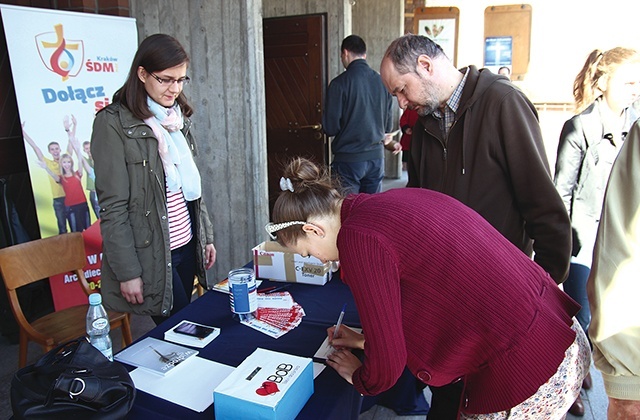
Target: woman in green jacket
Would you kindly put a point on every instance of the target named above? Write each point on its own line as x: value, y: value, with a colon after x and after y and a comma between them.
x: 155, y: 228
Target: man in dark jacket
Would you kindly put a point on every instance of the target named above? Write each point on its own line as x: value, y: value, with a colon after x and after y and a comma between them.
x: 358, y: 113
x: 478, y: 139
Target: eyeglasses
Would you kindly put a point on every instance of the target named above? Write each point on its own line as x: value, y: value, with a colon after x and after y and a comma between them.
x: 181, y: 81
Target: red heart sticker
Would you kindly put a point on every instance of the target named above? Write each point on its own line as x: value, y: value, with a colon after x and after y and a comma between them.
x: 267, y: 388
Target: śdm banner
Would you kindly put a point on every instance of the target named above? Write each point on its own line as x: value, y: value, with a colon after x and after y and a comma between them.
x: 66, y: 67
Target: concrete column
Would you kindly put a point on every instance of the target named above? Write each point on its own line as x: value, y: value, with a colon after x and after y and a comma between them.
x: 379, y: 22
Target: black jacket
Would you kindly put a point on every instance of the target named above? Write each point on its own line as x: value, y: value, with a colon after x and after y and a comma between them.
x: 358, y: 113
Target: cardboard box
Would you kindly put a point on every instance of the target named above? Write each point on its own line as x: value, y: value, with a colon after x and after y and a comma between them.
x: 267, y: 385
x: 272, y: 261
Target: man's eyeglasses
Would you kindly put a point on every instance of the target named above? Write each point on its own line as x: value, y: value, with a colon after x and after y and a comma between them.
x: 181, y: 81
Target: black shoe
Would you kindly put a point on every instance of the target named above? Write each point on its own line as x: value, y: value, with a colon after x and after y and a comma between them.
x: 577, y: 408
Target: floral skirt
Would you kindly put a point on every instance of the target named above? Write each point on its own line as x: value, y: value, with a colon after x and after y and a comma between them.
x: 554, y: 398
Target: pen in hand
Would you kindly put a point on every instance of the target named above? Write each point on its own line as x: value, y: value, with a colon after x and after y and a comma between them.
x: 335, y: 332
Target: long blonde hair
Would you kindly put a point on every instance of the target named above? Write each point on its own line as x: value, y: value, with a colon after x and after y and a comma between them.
x: 599, y: 63
x: 63, y: 157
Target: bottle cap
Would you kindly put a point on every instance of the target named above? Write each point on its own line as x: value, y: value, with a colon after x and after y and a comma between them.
x: 95, y: 299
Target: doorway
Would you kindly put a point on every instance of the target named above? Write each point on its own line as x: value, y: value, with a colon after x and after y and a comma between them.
x: 295, y: 68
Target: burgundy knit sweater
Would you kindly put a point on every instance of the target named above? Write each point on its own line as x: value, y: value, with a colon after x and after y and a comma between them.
x: 439, y: 290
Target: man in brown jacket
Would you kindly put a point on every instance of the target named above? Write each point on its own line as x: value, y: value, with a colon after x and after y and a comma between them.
x: 478, y: 139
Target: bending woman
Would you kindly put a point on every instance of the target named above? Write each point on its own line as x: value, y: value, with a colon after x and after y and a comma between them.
x: 155, y: 228
x: 439, y: 291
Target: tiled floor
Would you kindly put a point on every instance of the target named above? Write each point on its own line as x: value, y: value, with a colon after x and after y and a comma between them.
x: 595, y: 400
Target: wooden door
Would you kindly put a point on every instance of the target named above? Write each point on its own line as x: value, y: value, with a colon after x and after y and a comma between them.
x: 295, y: 78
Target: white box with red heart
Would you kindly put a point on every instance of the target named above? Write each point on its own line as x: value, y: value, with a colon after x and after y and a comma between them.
x: 266, y: 385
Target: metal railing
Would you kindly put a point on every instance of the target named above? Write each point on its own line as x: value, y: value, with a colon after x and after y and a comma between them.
x: 554, y: 106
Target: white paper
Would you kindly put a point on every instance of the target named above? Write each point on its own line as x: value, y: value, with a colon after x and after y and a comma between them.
x: 158, y: 356
x: 326, y: 349
x: 275, y: 300
x: 191, y: 386
x: 263, y: 327
x: 317, y: 369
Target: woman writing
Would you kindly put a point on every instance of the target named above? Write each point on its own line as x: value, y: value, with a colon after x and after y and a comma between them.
x: 155, y: 228
x: 417, y: 283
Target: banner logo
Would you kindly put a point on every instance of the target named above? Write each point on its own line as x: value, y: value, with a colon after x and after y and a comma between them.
x: 59, y: 55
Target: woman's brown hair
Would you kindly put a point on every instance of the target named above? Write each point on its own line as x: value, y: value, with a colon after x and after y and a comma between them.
x: 315, y: 193
x: 156, y: 53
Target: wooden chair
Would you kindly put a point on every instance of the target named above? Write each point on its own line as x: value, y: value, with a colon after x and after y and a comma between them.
x: 197, y: 288
x: 28, y: 262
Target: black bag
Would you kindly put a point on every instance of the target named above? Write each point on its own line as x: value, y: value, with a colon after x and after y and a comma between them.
x: 73, y: 380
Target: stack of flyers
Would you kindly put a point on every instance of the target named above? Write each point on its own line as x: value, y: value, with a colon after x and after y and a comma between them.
x: 277, y: 314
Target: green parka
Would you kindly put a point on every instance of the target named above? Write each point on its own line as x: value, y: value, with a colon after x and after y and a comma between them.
x: 131, y: 191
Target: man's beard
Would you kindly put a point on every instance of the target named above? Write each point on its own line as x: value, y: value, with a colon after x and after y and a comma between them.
x: 425, y: 110
x: 428, y: 101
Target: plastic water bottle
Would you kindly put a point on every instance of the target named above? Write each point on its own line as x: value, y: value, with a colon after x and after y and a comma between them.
x: 98, y: 326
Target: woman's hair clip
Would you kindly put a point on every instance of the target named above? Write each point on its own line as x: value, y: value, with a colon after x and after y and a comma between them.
x: 272, y: 228
x: 285, y: 184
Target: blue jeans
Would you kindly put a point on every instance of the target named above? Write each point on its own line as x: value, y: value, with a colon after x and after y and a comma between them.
x: 360, y: 177
x: 61, y: 214
x: 183, y: 266
x: 78, y: 215
x: 576, y: 287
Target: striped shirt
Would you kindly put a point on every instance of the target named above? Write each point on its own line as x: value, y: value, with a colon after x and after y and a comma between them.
x: 179, y: 220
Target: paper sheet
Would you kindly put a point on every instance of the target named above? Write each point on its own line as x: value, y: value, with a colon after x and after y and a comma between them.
x: 317, y: 369
x: 183, y: 387
x: 282, y: 300
x: 325, y: 349
x: 158, y: 356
